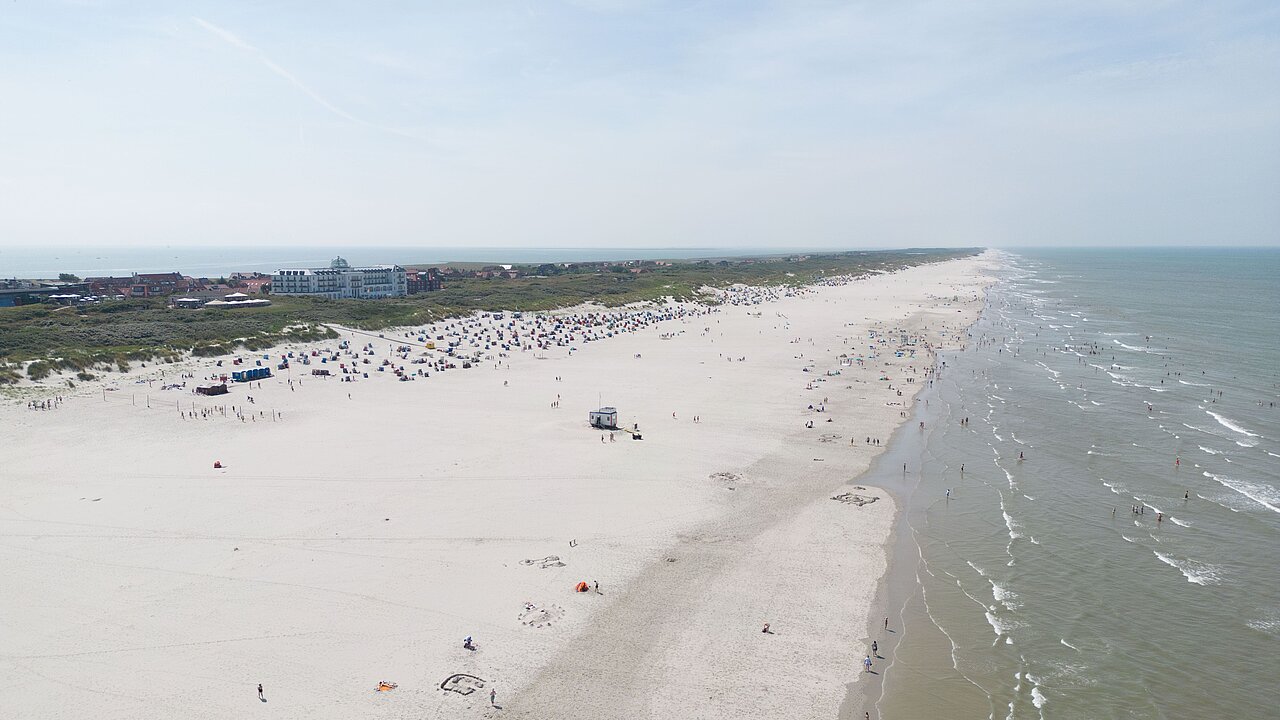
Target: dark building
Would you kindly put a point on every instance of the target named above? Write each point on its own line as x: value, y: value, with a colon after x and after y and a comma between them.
x: 421, y: 281
x: 109, y: 285
x: 154, y: 284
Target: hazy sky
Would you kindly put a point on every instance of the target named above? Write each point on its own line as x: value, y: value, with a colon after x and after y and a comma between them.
x: 631, y: 123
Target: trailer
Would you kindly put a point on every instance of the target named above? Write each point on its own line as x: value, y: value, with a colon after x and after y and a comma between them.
x: 606, y: 418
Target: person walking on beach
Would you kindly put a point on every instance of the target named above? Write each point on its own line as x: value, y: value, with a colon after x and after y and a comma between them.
x: 493, y: 697
x: 260, y: 692
x: 886, y: 623
x: 866, y: 663
x: 875, y: 648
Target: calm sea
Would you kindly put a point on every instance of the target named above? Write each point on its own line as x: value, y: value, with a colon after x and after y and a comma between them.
x: 1094, y: 382
x: 47, y: 262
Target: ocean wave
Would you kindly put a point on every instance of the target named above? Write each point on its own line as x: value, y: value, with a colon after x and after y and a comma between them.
x: 1037, y: 697
x: 999, y: 626
x: 1195, y: 572
x: 1269, y: 625
x: 1064, y: 642
x: 1207, y: 431
x: 1130, y: 347
x: 1115, y: 488
x: 1005, y: 596
x: 1211, y: 451
x: 1046, y: 367
x: 1179, y: 523
x: 1015, y: 530
x: 1184, y: 382
x: 1230, y: 424
x: 1264, y: 495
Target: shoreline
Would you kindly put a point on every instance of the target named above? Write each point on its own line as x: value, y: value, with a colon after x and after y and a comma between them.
x: 408, y: 511
x: 899, y: 584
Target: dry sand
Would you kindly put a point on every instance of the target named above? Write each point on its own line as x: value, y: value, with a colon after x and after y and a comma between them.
x: 360, y: 540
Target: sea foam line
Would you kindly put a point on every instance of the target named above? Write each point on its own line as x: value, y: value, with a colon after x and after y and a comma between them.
x: 1195, y: 572
x: 1262, y: 494
x: 1231, y: 425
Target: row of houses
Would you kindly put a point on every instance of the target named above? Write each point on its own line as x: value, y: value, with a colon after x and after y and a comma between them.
x: 165, y: 284
x: 338, y: 281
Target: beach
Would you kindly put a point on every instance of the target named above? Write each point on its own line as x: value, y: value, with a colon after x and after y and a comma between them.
x: 357, y: 532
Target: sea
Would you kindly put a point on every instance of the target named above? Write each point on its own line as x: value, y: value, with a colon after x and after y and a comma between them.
x: 215, y: 261
x: 1091, y: 523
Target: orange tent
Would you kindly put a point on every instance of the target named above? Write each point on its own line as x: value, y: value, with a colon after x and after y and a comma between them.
x: 582, y: 587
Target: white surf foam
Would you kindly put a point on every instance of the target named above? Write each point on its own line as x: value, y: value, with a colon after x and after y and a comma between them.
x: 1195, y: 572
x: 1015, y: 530
x: 1230, y: 424
x: 1004, y: 595
x: 1264, y: 495
x: 1037, y: 698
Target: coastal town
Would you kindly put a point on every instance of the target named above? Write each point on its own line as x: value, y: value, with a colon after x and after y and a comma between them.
x: 339, y: 280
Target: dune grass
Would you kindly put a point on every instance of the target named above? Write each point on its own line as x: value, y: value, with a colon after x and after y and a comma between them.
x: 116, y: 334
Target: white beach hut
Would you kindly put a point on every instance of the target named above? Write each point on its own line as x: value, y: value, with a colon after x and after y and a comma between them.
x: 605, y: 417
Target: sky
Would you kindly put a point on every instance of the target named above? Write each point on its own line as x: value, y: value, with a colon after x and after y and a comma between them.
x: 640, y: 124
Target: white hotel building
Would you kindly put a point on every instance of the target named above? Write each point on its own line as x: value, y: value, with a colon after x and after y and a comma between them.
x: 340, y: 280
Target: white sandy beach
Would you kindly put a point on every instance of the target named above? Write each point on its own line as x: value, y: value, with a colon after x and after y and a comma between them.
x: 358, y: 540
